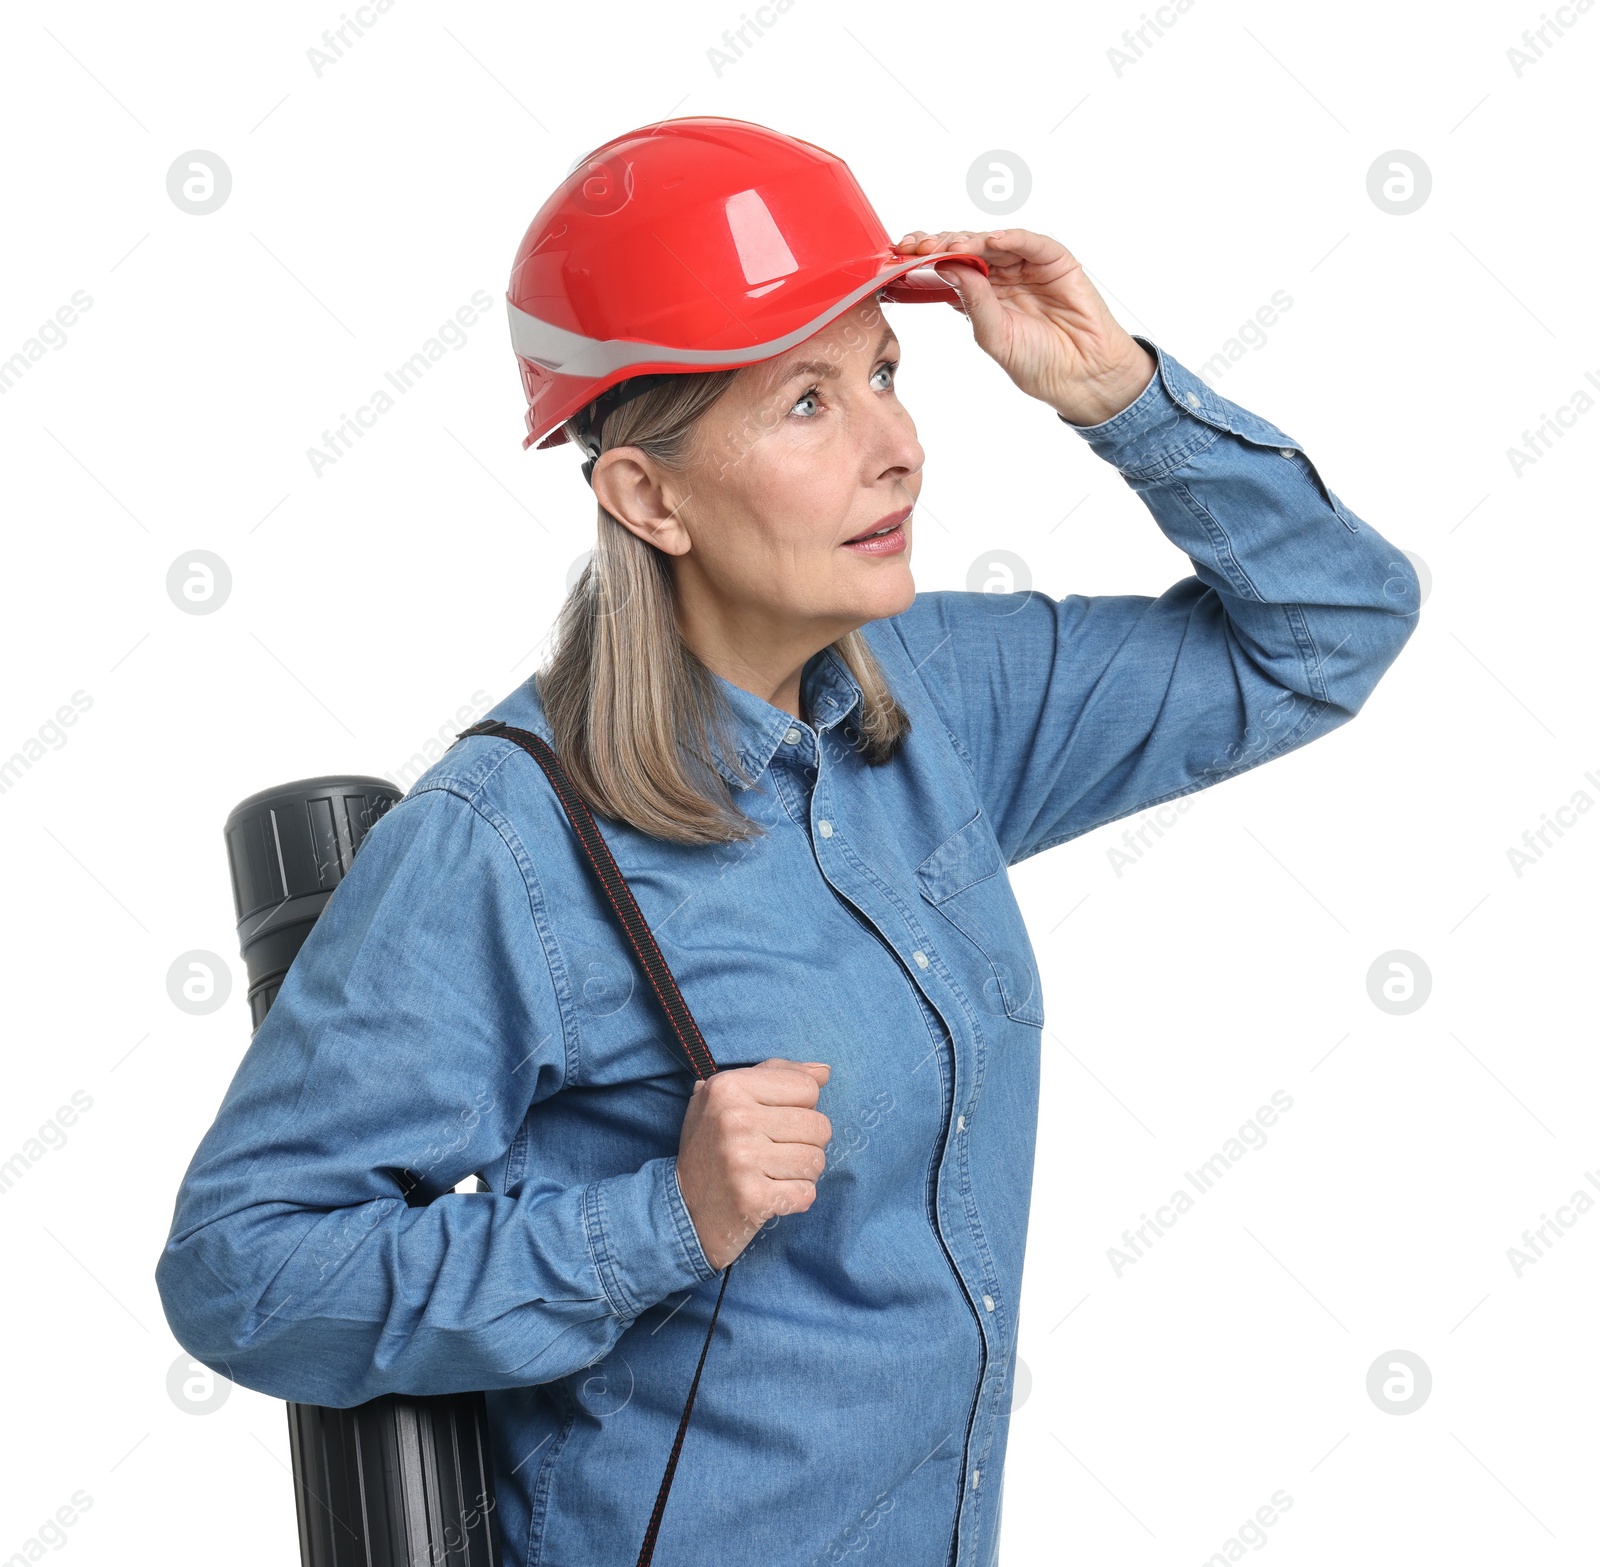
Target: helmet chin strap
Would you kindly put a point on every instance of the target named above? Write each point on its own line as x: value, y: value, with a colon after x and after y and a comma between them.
x: 604, y: 406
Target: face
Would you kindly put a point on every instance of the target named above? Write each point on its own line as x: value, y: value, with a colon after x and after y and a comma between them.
x: 791, y: 517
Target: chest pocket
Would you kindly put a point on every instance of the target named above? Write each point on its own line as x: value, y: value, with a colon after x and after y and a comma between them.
x: 963, y: 880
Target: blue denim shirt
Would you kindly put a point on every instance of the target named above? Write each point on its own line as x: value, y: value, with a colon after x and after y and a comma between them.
x: 465, y: 1005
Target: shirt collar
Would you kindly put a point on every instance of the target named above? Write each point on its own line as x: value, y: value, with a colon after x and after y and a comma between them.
x: 828, y: 691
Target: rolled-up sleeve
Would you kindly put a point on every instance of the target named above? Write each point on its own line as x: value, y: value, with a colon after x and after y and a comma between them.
x: 1077, y: 711
x: 417, y: 1025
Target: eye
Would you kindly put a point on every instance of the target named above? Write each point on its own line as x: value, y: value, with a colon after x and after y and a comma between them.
x: 882, y: 380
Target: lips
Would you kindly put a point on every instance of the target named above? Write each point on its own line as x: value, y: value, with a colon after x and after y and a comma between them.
x: 882, y: 527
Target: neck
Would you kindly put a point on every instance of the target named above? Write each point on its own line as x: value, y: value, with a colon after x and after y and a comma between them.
x: 766, y: 668
x: 753, y: 652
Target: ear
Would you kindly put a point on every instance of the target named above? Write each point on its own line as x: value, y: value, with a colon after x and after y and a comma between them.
x: 642, y: 497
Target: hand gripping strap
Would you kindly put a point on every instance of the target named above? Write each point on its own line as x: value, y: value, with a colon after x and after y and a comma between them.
x: 620, y: 896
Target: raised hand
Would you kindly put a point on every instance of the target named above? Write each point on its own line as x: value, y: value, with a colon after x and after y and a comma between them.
x: 1042, y: 321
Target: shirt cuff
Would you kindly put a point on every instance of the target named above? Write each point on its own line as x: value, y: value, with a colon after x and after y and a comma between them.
x: 1163, y: 426
x: 1174, y: 418
x: 1150, y: 396
x: 643, y: 1239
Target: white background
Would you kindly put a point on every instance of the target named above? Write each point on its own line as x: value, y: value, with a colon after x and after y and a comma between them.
x: 1164, y: 1406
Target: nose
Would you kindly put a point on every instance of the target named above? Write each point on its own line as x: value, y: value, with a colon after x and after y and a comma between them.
x: 891, y: 446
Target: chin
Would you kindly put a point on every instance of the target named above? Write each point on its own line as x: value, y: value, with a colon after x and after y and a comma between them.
x: 891, y: 597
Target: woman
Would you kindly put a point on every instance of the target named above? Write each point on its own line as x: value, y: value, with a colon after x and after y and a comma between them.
x: 813, y: 778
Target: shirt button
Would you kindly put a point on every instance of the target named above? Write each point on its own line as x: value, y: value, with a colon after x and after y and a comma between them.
x: 1194, y: 401
x: 920, y: 958
x: 1286, y: 451
x: 792, y: 738
x: 825, y: 827
x: 961, y: 1123
x: 976, y: 1473
x: 988, y: 1302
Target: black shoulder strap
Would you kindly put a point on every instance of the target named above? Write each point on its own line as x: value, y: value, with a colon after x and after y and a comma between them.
x: 620, y: 897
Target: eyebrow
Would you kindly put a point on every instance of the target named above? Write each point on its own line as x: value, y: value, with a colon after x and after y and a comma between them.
x: 821, y: 368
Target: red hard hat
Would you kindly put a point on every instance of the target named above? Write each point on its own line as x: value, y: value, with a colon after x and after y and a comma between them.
x: 688, y: 245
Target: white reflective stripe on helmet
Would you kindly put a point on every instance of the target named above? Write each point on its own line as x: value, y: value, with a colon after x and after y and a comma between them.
x: 572, y: 354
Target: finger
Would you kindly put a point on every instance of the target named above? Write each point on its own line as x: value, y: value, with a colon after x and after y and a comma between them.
x: 805, y: 1066
x: 820, y: 1071
x: 793, y: 1124
x: 782, y: 1084
x: 1024, y: 243
x: 790, y: 1197
x: 977, y: 301
x: 793, y: 1162
x: 973, y: 240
